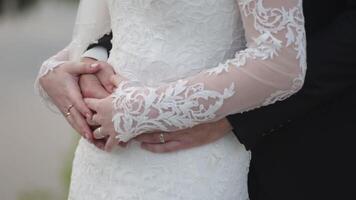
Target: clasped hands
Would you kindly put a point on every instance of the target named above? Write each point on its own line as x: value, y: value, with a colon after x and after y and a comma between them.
x: 88, y: 86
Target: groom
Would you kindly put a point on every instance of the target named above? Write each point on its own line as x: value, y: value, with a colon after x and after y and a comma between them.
x: 301, y: 147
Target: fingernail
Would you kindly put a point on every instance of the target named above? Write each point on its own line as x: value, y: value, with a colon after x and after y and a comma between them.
x: 88, y: 116
x: 94, y: 65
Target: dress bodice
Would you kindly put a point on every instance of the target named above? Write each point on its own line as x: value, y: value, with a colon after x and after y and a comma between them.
x: 163, y: 40
x: 160, y: 41
x: 192, y: 62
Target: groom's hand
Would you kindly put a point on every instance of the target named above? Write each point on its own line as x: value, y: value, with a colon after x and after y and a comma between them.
x: 97, y: 85
x: 185, y: 139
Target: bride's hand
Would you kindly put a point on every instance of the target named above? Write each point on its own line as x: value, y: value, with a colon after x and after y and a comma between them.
x: 97, y: 86
x: 62, y: 87
x: 104, y: 109
x: 103, y: 119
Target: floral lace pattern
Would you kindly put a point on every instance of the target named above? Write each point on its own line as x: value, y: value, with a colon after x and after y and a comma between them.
x: 271, y: 29
x: 179, y: 106
x: 188, y: 62
x: 93, y: 21
x: 47, y: 67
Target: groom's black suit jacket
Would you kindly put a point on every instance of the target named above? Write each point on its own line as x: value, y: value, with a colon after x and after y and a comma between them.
x: 302, y: 148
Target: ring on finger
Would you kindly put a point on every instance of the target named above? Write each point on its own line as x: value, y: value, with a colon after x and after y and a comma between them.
x: 70, y: 107
x: 98, y: 133
x: 161, y: 138
x: 67, y: 114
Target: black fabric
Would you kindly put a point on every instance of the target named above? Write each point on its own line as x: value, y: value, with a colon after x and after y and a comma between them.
x: 331, y: 73
x: 303, y: 147
x: 105, y: 42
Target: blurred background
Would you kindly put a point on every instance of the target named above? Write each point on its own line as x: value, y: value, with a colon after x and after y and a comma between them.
x: 36, y: 146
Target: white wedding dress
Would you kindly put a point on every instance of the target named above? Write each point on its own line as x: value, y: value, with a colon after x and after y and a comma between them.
x: 189, y: 62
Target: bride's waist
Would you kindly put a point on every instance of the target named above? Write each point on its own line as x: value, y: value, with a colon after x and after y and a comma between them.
x: 157, y: 67
x: 228, y: 145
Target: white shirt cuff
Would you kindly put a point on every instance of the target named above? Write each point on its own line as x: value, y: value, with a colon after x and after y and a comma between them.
x: 98, y: 53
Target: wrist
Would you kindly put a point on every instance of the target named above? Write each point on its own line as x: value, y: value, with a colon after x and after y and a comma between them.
x: 88, y: 60
x: 98, y: 53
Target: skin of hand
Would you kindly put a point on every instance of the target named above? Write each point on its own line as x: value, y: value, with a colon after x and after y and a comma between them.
x: 96, y: 86
x: 100, y: 80
x: 103, y: 118
x: 185, y: 139
x: 179, y: 140
x: 61, y: 85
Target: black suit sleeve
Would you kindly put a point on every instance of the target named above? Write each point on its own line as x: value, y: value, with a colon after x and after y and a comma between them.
x: 331, y: 73
x: 105, y: 42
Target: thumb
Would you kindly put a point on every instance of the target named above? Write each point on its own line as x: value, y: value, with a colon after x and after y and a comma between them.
x: 92, y: 103
x: 116, y: 80
x: 82, y: 68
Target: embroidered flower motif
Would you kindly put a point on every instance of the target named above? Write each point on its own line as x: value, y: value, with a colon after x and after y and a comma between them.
x: 183, y: 104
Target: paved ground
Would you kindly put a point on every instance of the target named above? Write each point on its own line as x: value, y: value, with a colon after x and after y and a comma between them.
x: 33, y: 141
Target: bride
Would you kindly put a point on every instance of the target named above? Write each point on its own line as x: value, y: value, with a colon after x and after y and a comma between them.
x: 178, y: 64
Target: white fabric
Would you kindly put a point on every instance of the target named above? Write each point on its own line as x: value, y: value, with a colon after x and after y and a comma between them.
x: 171, y: 51
x: 93, y: 21
x: 97, y: 53
x: 179, y: 43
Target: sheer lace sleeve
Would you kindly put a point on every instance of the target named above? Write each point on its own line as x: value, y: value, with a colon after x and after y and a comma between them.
x: 93, y: 21
x: 270, y: 69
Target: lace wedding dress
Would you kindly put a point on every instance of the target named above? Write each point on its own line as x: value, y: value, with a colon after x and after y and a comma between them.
x: 188, y: 62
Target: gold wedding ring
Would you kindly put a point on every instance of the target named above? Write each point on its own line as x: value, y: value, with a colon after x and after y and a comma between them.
x: 161, y: 138
x: 67, y: 114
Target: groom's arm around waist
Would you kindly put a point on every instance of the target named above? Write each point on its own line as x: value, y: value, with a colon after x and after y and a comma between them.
x: 331, y: 72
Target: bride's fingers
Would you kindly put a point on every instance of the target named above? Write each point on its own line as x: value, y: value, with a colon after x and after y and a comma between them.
x: 91, y: 122
x: 77, y: 100
x: 70, y: 120
x: 96, y: 120
x: 110, y: 143
x: 116, y: 80
x: 63, y: 107
x: 74, y: 125
x: 80, y: 122
x: 100, y: 144
x: 104, y: 76
x: 79, y: 68
x: 91, y: 87
x: 68, y: 116
x: 92, y: 103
